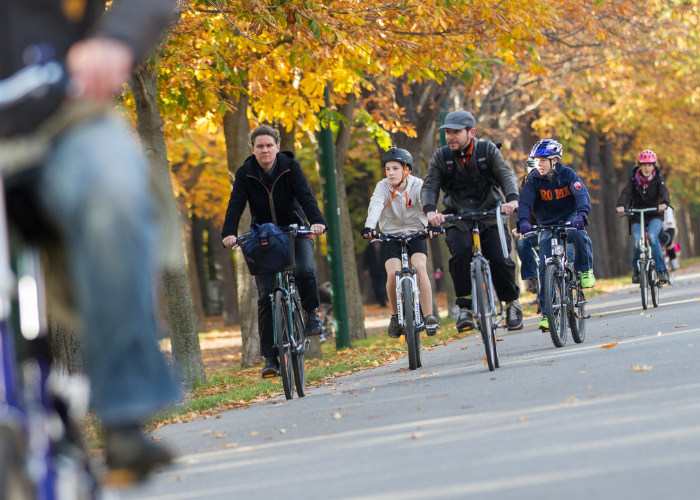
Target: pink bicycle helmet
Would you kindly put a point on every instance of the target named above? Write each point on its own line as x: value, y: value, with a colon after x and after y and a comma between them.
x: 646, y: 156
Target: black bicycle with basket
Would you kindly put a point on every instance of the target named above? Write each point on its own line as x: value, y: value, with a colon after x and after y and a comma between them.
x: 272, y: 252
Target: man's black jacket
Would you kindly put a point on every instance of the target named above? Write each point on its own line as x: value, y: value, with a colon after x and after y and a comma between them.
x: 281, y: 202
x: 59, y: 24
x: 655, y: 195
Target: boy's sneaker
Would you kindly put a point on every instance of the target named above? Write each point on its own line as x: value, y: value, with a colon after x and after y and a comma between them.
x: 514, y: 315
x: 675, y: 266
x: 394, y: 330
x: 432, y: 323
x: 543, y: 324
x: 663, y: 277
x: 587, y: 279
x: 465, y: 320
x: 635, y: 276
x: 532, y: 286
x: 313, y: 323
x: 271, y: 368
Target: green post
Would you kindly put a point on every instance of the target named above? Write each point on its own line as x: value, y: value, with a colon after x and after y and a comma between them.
x: 335, y: 247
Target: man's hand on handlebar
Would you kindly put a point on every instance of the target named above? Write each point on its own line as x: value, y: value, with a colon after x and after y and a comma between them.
x: 99, y: 67
x: 368, y: 233
x: 230, y: 241
x: 662, y: 207
x: 435, y: 218
x: 509, y: 208
x: 434, y: 231
x: 620, y: 210
x: 318, y: 228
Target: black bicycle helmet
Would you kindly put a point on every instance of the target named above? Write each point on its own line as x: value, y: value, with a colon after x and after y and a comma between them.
x: 398, y: 154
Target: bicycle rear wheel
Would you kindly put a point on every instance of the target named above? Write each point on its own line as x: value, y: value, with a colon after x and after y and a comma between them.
x: 409, y: 325
x: 654, y: 287
x: 554, y: 299
x: 480, y: 289
x: 577, y: 315
x: 284, y: 347
x: 644, y: 286
x: 298, y: 354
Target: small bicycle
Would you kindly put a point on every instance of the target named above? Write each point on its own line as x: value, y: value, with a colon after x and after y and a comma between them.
x: 648, y: 277
x: 289, y: 323
x: 483, y: 294
x: 563, y: 295
x: 407, y: 297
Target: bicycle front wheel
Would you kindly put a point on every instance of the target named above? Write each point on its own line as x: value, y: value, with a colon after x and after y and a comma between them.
x: 644, y: 287
x: 298, y: 353
x: 480, y: 288
x: 554, y: 300
x: 409, y: 325
x: 284, y: 345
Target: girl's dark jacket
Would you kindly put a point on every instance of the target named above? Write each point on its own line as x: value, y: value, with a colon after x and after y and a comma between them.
x: 655, y: 195
x: 280, y: 200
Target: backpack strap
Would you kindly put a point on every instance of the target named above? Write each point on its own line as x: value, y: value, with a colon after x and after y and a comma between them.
x: 482, y: 161
x: 450, y: 167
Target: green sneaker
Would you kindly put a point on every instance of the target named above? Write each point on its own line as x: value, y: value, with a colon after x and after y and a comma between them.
x: 543, y: 324
x: 587, y: 279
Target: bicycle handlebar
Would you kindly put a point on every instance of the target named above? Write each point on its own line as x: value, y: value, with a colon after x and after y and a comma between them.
x: 480, y: 215
x: 32, y: 79
x: 406, y: 237
x: 631, y: 211
x: 298, y: 231
x: 543, y: 227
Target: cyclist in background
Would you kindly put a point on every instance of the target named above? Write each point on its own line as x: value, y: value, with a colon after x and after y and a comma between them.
x: 396, y: 207
x: 555, y: 193
x: 469, y: 189
x: 525, y: 246
x: 94, y: 187
x: 646, y: 189
x: 668, y: 231
x: 276, y: 190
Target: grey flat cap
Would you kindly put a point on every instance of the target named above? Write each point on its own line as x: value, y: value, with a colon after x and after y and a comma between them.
x: 458, y: 120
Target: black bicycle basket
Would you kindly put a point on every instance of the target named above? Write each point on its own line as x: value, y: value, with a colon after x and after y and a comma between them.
x: 268, y: 250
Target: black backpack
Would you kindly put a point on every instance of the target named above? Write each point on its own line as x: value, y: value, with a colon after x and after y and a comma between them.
x: 481, y: 162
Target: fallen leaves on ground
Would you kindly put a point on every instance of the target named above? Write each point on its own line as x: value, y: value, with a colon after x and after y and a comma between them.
x: 337, y: 416
x: 254, y: 433
x: 643, y: 368
x: 681, y: 326
x: 609, y: 346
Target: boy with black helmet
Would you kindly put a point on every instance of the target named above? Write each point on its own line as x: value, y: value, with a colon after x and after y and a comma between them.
x: 396, y: 206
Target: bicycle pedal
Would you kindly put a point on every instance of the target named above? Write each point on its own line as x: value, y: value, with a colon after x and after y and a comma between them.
x: 587, y: 316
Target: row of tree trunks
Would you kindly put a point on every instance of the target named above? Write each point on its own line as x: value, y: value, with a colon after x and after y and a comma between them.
x: 187, y: 355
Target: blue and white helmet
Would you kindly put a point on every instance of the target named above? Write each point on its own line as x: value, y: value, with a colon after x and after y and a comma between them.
x: 546, y: 148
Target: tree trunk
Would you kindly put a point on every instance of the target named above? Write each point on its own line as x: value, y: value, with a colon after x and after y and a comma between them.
x: 226, y: 275
x: 187, y: 355
x: 67, y: 345
x: 356, y: 314
x: 197, y: 239
x: 597, y: 230
x: 616, y: 227
x: 236, y: 132
x: 683, y: 234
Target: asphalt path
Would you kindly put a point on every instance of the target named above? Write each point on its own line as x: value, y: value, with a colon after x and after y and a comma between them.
x: 571, y: 423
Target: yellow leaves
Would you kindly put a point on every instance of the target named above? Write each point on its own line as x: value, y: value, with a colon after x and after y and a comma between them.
x: 643, y: 368
x: 609, y: 346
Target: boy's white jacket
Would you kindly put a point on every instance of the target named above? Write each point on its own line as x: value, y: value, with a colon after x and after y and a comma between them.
x: 397, y: 218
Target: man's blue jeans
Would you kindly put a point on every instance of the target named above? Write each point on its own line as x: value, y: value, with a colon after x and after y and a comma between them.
x: 528, y: 263
x: 583, y: 255
x: 95, y: 187
x: 653, y: 230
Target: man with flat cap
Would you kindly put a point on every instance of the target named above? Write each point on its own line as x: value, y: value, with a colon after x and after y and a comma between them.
x: 474, y: 177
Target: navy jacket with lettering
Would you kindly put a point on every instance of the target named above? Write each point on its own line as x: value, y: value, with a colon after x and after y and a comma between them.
x: 553, y: 199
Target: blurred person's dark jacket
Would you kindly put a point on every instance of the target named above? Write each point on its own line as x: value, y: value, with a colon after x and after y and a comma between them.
x: 59, y: 24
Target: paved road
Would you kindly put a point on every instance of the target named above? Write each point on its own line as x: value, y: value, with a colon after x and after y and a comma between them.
x: 569, y: 423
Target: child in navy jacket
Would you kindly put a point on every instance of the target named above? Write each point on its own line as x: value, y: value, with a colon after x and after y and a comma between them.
x: 554, y: 193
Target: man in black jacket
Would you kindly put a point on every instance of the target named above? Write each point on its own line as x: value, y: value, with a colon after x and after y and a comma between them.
x: 273, y: 185
x: 469, y: 190
x: 94, y: 186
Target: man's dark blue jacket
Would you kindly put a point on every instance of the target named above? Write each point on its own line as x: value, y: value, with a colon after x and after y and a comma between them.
x: 553, y: 199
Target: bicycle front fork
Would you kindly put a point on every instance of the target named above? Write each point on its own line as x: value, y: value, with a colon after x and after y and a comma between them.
x: 399, y: 295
